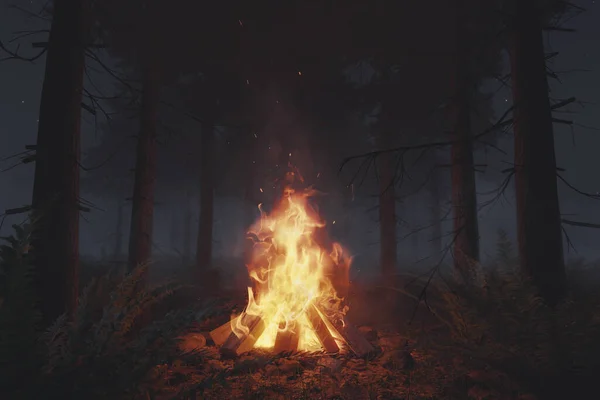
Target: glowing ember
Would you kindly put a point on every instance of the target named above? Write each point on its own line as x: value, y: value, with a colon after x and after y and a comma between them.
x: 293, y: 276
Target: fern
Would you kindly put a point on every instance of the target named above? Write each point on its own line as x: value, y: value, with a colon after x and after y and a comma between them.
x: 104, y: 351
x: 505, y: 324
x: 18, y: 314
x: 100, y: 358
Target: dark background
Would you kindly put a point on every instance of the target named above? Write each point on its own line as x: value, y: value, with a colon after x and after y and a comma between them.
x: 577, y: 150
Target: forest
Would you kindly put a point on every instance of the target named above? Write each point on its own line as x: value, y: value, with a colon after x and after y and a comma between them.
x: 283, y: 200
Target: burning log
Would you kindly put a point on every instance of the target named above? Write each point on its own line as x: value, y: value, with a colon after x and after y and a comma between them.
x: 287, y: 340
x: 236, y: 345
x: 291, y: 268
x: 220, y: 334
x: 355, y: 340
x: 320, y: 327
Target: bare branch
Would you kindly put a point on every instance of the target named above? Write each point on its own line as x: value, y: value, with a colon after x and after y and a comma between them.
x: 580, y: 224
x: 14, y: 55
x: 586, y: 194
x: 501, y: 123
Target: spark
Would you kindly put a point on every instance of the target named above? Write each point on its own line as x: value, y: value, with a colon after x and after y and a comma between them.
x: 240, y: 22
x: 261, y: 190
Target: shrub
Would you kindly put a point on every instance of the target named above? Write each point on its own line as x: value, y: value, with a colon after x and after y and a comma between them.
x: 503, y: 323
x: 106, y: 351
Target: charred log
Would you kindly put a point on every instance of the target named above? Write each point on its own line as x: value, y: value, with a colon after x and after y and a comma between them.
x: 236, y: 345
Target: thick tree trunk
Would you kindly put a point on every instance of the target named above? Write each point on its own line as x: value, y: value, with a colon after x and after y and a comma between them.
x: 464, y: 196
x: 538, y: 211
x: 55, y: 199
x: 387, y: 217
x: 205, y: 225
x: 414, y: 241
x: 436, y: 215
x: 118, y: 251
x: 187, y: 229
x: 174, y: 231
x: 142, y: 213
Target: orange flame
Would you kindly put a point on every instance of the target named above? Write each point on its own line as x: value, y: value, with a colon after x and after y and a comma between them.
x: 292, y: 271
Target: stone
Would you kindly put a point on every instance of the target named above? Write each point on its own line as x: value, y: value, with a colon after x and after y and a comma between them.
x: 192, y: 342
x: 369, y: 333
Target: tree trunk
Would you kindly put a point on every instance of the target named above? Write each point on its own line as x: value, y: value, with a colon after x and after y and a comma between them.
x: 538, y: 211
x: 187, y: 229
x: 387, y: 216
x: 205, y: 225
x: 174, y: 231
x: 436, y: 215
x: 55, y: 199
x: 415, y: 245
x: 464, y: 196
x: 142, y: 213
x: 118, y: 252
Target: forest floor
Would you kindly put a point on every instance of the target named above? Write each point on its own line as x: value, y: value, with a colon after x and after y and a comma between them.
x: 405, y: 365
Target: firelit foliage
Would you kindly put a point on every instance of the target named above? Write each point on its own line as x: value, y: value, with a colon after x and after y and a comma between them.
x: 506, y: 325
x: 104, y: 353
x: 18, y: 314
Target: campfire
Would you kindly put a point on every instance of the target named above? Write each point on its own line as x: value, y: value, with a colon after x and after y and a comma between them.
x: 294, y: 304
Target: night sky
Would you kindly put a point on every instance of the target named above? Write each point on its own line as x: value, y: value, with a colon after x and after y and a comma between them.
x: 578, y: 67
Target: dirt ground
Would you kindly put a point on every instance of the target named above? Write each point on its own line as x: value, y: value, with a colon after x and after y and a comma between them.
x: 404, y: 365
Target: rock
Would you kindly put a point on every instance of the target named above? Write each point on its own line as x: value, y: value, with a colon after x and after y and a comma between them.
x: 215, y: 365
x: 354, y: 391
x: 271, y: 370
x: 331, y: 365
x: 290, y: 367
x: 369, y: 333
x: 249, y: 364
x: 398, y: 359
x: 191, y: 342
x: 526, y: 397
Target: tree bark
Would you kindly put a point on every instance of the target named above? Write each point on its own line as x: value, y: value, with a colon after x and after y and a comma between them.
x: 415, y: 245
x: 205, y: 225
x: 538, y: 211
x: 55, y: 200
x: 187, y: 228
x: 387, y: 216
x: 142, y: 213
x: 118, y: 251
x: 464, y: 196
x: 436, y: 215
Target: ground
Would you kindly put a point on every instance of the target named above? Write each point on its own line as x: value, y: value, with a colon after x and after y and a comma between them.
x: 405, y: 366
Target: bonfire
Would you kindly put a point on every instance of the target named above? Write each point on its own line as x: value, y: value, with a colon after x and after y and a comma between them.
x: 294, y: 304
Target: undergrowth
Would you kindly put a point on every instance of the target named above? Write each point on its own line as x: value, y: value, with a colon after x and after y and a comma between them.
x: 106, y: 351
x: 502, y: 323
